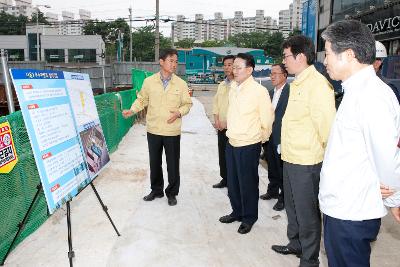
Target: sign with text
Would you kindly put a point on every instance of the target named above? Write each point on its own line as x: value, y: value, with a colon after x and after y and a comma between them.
x: 8, y: 153
x: 49, y: 105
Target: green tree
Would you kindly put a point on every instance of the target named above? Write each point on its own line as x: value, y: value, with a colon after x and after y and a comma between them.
x: 109, y: 33
x: 12, y: 25
x: 296, y: 31
x: 250, y: 40
x: 213, y: 43
x: 143, y: 38
x: 185, y: 43
x: 270, y: 42
x: 273, y: 46
x: 42, y: 18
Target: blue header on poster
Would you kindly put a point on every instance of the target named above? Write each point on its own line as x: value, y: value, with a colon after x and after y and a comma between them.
x: 36, y: 74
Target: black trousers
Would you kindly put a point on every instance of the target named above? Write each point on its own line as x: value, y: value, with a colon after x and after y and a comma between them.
x: 301, y: 186
x: 171, y: 144
x: 348, y: 243
x: 275, y: 171
x: 242, y: 166
x: 222, y: 140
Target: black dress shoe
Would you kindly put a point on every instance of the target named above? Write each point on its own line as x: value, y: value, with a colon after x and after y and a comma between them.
x: 172, y: 201
x: 268, y: 196
x: 285, y: 250
x: 152, y: 196
x: 279, y: 206
x: 221, y: 184
x: 228, y: 219
x: 244, y: 228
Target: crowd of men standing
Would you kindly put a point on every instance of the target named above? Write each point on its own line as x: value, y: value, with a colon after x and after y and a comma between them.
x: 341, y: 164
x: 345, y: 163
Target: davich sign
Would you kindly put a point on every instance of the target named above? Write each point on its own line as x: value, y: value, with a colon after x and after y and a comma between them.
x: 384, y: 22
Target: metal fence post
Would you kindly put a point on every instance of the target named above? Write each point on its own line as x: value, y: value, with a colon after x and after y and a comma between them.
x: 7, y: 83
x: 104, y: 80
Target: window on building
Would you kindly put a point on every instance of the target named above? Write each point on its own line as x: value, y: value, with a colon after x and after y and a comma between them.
x: 81, y: 55
x: 341, y: 8
x: 15, y: 54
x: 54, y: 55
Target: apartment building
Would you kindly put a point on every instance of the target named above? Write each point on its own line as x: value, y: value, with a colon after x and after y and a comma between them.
x: 220, y: 28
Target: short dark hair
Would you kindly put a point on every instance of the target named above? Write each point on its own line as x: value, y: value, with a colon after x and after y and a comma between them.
x: 249, y: 59
x: 167, y: 52
x: 354, y: 35
x: 300, y: 44
x: 228, y: 57
x: 283, y: 69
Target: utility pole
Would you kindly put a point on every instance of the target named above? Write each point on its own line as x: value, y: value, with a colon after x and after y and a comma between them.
x: 37, y: 35
x: 130, y: 34
x: 172, y: 35
x: 37, y: 31
x: 157, y: 43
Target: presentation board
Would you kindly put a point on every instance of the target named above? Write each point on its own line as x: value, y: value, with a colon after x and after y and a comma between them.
x: 64, y: 129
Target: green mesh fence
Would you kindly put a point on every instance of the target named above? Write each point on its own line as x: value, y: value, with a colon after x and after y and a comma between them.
x: 138, y: 77
x: 18, y: 187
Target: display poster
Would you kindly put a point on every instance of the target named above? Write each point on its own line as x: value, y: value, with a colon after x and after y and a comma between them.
x: 8, y: 153
x: 51, y: 114
x: 87, y: 121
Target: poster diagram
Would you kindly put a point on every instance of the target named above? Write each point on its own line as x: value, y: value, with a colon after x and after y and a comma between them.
x: 58, y: 108
x: 87, y: 122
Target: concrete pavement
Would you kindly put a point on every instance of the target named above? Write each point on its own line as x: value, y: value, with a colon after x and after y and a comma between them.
x: 155, y: 234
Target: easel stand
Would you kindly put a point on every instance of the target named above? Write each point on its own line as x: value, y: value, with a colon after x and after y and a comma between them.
x: 71, y: 253
x: 104, y: 208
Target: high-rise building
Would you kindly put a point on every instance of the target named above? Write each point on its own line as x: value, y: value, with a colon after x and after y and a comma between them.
x: 21, y: 7
x: 220, y: 28
x: 295, y: 14
x: 51, y: 17
x: 284, y: 22
x: 71, y: 26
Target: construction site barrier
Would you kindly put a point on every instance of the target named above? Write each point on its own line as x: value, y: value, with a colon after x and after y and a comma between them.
x: 18, y: 187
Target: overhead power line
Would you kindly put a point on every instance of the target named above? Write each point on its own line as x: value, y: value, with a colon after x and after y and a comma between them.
x: 164, y: 19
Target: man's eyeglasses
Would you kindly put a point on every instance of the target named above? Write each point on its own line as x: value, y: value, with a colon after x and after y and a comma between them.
x: 286, y: 56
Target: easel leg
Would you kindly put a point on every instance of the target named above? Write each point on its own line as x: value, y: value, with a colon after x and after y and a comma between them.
x: 104, y: 208
x: 71, y: 253
x: 21, y: 225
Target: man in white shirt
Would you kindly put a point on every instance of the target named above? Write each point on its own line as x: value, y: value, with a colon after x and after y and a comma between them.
x: 280, y: 98
x: 363, y: 148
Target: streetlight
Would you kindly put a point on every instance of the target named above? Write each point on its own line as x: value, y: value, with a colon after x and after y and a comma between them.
x: 37, y: 30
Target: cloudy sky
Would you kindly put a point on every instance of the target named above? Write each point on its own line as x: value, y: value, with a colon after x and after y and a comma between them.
x: 144, y: 9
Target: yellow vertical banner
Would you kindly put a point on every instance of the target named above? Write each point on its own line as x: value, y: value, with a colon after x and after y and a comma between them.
x: 8, y: 153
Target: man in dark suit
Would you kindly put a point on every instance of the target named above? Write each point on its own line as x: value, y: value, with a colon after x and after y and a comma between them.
x: 279, y: 97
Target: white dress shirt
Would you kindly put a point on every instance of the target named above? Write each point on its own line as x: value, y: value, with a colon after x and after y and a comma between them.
x: 362, y: 151
x: 277, y: 95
